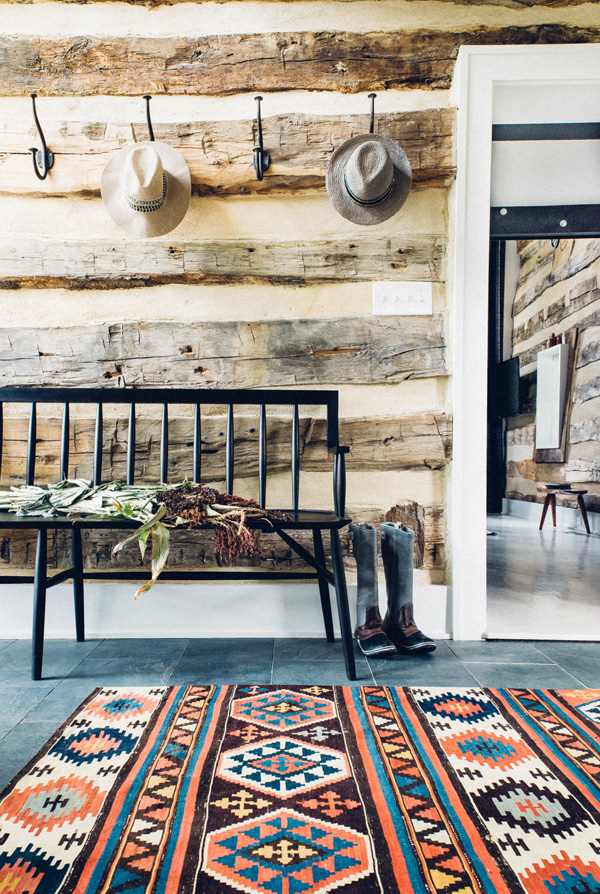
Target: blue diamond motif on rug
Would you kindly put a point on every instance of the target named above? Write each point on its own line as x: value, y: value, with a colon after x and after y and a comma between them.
x: 283, y: 766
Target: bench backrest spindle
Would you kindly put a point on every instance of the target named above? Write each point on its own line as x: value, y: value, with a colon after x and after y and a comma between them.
x: 262, y: 456
x: 30, y: 477
x: 197, y: 472
x: 164, y: 445
x: 64, y: 444
x: 295, y: 457
x: 229, y: 451
x: 98, y: 438
x: 131, y: 445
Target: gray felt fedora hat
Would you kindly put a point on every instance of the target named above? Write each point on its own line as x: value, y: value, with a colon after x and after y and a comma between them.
x: 146, y: 188
x: 368, y: 178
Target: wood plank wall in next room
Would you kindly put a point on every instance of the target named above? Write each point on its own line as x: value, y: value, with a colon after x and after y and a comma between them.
x: 558, y: 292
x: 263, y: 284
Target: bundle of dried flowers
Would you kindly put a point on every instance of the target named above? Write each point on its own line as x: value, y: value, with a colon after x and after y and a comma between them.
x: 157, y: 508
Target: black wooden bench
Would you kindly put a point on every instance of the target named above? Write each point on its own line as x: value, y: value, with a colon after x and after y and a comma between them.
x: 302, y: 520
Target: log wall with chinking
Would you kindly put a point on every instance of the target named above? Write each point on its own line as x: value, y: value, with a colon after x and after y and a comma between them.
x: 263, y: 284
x: 558, y: 291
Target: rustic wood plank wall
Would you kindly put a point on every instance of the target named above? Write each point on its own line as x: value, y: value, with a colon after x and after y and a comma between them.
x: 559, y: 289
x: 263, y: 284
x: 219, y: 153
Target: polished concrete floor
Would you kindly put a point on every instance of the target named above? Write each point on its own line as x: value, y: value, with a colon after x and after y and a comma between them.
x: 542, y: 584
x: 30, y: 712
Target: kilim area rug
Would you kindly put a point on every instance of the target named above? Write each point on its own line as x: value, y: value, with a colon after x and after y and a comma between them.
x: 307, y: 789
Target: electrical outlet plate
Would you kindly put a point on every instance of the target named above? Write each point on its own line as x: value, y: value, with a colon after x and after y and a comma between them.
x: 402, y: 298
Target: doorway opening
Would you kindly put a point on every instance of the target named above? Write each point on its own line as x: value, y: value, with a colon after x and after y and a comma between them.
x: 543, y: 584
x: 483, y: 74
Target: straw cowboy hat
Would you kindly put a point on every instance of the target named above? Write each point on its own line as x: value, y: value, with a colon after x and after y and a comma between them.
x: 146, y: 189
x: 368, y: 178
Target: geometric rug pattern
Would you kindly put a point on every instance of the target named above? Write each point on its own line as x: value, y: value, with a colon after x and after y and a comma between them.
x: 311, y: 789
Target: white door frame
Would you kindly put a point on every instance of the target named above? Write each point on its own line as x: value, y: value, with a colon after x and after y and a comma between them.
x: 478, y: 70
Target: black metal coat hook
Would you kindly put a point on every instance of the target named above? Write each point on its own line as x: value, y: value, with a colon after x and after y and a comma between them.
x: 147, y: 97
x: 43, y: 158
x: 262, y: 159
x: 372, y: 98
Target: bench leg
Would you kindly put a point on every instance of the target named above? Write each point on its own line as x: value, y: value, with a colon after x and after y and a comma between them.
x: 547, y: 502
x: 323, y: 587
x: 39, y: 604
x: 582, y: 509
x: 341, y: 592
x: 78, y: 585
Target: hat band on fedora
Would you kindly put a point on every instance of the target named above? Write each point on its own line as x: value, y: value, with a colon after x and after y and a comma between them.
x: 368, y: 202
x: 147, y: 205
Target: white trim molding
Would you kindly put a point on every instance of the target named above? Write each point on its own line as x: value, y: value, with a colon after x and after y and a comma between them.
x: 479, y: 70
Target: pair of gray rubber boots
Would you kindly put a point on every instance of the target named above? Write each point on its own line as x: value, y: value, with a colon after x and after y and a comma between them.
x: 397, y: 631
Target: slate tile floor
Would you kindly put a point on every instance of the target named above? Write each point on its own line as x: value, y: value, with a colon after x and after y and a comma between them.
x: 31, y: 711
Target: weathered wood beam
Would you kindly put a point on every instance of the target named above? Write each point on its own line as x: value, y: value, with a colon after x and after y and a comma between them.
x: 589, y: 354
x: 29, y: 262
x: 579, y: 471
x: 567, y: 304
x: 521, y: 435
x: 588, y: 430
x: 271, y: 353
x: 417, y: 441
x: 584, y: 254
x: 586, y: 391
x: 219, y: 153
x: 223, y: 64
x: 513, y: 4
x: 589, y: 350
x: 195, y: 549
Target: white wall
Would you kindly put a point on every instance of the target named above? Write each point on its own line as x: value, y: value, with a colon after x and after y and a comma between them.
x: 237, y: 610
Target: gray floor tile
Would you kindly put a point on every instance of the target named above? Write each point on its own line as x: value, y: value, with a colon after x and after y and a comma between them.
x: 5, y: 642
x: 60, y: 658
x: 140, y: 649
x: 327, y: 673
x: 307, y: 650
x: 20, y: 746
x: 422, y: 671
x: 19, y: 699
x: 506, y: 652
x: 59, y: 704
x: 225, y: 661
x: 557, y: 651
x: 125, y: 671
x: 442, y: 655
x: 6, y: 725
x: 192, y: 670
x: 584, y: 666
x: 530, y: 676
x: 230, y: 649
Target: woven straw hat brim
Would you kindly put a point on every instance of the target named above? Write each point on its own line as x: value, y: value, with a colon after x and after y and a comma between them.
x: 154, y: 223
x: 367, y: 215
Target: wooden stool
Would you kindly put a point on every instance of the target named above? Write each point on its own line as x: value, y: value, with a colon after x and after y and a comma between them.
x: 551, y: 501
